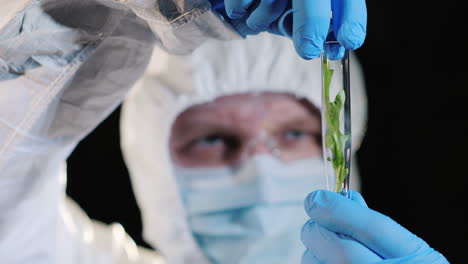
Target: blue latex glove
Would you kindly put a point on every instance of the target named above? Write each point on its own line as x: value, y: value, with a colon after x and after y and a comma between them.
x: 310, y: 21
x: 345, y: 231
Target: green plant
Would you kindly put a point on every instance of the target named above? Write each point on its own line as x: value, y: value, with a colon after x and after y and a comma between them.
x: 334, y: 140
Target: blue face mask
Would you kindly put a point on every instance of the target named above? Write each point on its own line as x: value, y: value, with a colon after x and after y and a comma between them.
x: 250, y: 214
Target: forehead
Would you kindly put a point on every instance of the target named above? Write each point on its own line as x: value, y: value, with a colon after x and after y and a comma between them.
x: 246, y: 112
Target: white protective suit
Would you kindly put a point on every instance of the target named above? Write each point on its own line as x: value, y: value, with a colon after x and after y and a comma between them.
x: 64, y: 66
x: 59, y: 80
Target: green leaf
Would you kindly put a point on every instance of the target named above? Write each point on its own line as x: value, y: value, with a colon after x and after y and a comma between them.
x: 334, y: 139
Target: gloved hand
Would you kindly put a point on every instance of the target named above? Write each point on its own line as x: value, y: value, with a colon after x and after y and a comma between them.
x: 343, y: 230
x: 310, y: 21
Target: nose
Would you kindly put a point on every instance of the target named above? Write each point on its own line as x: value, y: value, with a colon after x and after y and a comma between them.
x: 259, y: 148
x: 261, y: 145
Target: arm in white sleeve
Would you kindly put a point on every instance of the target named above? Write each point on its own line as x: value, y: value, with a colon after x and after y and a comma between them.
x: 63, y: 69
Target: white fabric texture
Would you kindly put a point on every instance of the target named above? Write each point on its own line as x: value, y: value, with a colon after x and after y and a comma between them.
x: 65, y: 65
x: 172, y: 84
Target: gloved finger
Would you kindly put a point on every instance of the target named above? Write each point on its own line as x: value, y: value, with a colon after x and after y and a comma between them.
x: 357, y: 197
x: 266, y: 12
x: 374, y: 230
x: 429, y: 255
x: 353, y: 195
x: 236, y: 9
x: 329, y: 247
x: 334, y: 51
x: 309, y: 258
x: 311, y: 21
x: 349, y: 22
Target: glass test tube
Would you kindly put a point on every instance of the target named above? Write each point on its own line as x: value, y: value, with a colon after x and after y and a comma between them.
x: 336, y: 118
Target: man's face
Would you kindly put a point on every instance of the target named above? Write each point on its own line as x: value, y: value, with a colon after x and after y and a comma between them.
x: 226, y: 130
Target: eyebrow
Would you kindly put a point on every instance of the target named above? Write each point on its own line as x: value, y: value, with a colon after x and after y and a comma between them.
x: 200, y: 127
x: 196, y: 124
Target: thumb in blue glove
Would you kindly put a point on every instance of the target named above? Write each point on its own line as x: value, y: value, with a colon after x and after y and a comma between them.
x: 343, y: 230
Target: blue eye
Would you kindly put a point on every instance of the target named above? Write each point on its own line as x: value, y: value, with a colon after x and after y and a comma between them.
x: 209, y: 140
x: 294, y: 134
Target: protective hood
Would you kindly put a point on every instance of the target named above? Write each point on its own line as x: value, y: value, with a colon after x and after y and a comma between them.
x: 172, y: 84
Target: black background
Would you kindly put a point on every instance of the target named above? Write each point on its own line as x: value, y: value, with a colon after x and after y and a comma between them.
x: 413, y: 160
